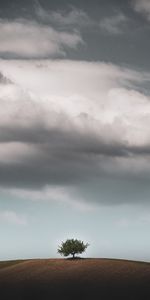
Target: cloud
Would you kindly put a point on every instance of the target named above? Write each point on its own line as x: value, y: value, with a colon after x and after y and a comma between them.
x: 29, y: 39
x: 12, y: 217
x: 69, y: 130
x: 113, y: 25
x: 142, y: 6
x: 64, y: 18
x: 4, y: 80
x: 53, y: 193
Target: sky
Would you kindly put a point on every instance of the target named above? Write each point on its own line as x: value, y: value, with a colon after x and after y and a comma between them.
x: 74, y: 127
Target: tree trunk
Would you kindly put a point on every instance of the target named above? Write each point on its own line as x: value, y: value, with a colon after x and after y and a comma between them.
x: 73, y: 255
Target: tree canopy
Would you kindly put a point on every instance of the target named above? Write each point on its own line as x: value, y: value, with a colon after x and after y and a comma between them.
x: 72, y: 247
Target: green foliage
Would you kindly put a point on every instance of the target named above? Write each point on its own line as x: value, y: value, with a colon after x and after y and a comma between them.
x: 72, y: 246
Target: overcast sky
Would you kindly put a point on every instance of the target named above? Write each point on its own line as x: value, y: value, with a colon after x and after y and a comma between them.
x: 74, y: 127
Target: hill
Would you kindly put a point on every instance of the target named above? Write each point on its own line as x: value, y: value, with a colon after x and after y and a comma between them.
x: 74, y: 279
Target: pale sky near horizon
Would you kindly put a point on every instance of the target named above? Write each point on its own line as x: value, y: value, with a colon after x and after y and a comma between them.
x: 74, y: 127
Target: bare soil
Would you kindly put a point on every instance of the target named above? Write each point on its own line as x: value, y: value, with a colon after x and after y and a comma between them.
x: 74, y: 279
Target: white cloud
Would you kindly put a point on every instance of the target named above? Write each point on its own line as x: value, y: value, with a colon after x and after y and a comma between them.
x: 12, y: 217
x: 24, y: 38
x: 113, y: 25
x: 78, y: 94
x: 142, y: 6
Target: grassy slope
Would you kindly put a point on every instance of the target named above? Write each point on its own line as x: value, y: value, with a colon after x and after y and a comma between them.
x: 107, y: 278
x: 9, y: 263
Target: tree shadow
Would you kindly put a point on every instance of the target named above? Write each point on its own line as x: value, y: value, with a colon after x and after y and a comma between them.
x: 75, y: 258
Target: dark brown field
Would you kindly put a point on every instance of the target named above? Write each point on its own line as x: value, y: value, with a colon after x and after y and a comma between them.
x: 74, y: 279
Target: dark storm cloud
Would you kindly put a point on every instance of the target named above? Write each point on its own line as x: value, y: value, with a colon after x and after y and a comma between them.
x: 58, y: 141
x: 91, y: 177
x: 129, y: 47
x: 62, y: 157
x: 115, y: 190
x: 63, y: 18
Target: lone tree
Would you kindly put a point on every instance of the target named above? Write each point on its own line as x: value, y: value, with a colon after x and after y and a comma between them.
x: 72, y: 246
